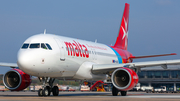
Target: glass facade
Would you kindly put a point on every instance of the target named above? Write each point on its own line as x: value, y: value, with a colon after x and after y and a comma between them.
x: 159, y: 74
x: 142, y: 74
x: 174, y: 74
x: 150, y: 74
x: 161, y: 78
x: 165, y: 74
x: 178, y: 87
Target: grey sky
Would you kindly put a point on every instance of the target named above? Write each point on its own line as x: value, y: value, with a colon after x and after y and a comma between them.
x: 153, y: 28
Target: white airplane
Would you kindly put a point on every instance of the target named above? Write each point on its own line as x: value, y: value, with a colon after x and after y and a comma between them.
x: 51, y: 57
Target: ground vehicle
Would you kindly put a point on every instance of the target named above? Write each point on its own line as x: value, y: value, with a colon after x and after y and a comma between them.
x: 142, y: 88
x: 84, y: 88
x: 146, y: 88
x: 160, y: 90
x: 2, y: 88
x: 137, y: 87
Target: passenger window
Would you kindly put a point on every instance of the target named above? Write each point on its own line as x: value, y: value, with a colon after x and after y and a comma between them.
x: 25, y: 46
x: 35, y: 45
x: 43, y: 46
x: 48, y: 46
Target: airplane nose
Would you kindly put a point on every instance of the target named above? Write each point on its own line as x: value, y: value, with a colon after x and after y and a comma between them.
x: 24, y: 61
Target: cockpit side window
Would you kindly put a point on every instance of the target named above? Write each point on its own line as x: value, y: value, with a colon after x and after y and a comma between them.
x: 35, y: 45
x: 48, y: 46
x: 43, y: 46
x: 25, y: 46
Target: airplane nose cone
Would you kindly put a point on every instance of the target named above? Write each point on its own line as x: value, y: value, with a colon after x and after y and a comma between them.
x: 25, y: 61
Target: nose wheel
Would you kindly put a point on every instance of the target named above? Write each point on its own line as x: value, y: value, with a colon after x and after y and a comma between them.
x: 46, y: 90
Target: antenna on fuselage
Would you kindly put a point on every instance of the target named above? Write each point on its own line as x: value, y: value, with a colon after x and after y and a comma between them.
x: 45, y: 31
x: 96, y: 41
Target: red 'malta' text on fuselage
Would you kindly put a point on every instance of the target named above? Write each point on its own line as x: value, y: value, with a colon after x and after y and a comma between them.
x: 76, y: 49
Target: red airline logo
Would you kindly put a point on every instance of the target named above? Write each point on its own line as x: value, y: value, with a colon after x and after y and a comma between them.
x: 77, y: 49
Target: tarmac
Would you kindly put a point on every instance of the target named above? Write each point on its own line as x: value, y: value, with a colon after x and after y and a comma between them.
x: 89, y: 96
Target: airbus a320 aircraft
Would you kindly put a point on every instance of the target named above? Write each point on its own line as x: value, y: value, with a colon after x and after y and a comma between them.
x: 51, y: 57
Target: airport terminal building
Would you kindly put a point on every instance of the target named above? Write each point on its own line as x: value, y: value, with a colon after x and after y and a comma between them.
x: 158, y: 77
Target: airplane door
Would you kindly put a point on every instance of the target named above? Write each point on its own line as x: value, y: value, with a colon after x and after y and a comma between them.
x: 61, y: 47
x: 94, y: 54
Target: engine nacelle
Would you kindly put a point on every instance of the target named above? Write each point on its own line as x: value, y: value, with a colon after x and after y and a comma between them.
x: 16, y: 80
x: 124, y: 78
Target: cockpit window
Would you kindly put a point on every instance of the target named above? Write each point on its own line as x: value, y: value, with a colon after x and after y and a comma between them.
x: 35, y: 45
x: 25, y: 46
x: 48, y: 46
x: 43, y: 46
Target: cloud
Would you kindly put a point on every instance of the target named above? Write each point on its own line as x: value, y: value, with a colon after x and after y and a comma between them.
x: 163, y: 2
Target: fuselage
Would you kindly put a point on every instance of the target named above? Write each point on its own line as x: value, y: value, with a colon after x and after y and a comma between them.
x: 48, y: 55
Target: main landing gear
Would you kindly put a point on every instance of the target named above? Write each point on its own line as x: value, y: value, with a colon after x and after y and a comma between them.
x: 48, y: 87
x: 115, y: 92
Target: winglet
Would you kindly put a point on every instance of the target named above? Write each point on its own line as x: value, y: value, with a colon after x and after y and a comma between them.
x: 122, y: 39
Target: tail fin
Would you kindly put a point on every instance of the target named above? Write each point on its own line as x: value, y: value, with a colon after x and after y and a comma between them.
x: 122, y: 39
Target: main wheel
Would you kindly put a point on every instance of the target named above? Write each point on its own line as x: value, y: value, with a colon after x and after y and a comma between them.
x: 45, y: 92
x: 115, y: 91
x: 49, y: 89
x: 40, y: 92
x: 123, y: 93
x: 55, y: 91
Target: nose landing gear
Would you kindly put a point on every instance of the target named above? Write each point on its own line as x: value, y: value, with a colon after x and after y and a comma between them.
x: 46, y: 90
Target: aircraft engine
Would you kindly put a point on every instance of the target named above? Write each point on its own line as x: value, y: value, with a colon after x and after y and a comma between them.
x: 16, y: 80
x: 124, y: 78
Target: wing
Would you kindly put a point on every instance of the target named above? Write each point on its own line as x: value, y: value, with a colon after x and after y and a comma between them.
x: 109, y: 68
x: 12, y: 65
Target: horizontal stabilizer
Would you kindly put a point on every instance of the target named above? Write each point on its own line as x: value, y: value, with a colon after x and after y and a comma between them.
x: 148, y: 56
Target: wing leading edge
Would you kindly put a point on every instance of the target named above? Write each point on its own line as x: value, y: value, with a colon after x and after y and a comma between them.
x: 12, y: 65
x: 109, y: 68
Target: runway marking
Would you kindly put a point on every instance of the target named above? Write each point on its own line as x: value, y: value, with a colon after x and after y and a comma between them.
x: 89, y: 96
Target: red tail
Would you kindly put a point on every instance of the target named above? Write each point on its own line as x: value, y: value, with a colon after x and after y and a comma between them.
x: 122, y: 39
